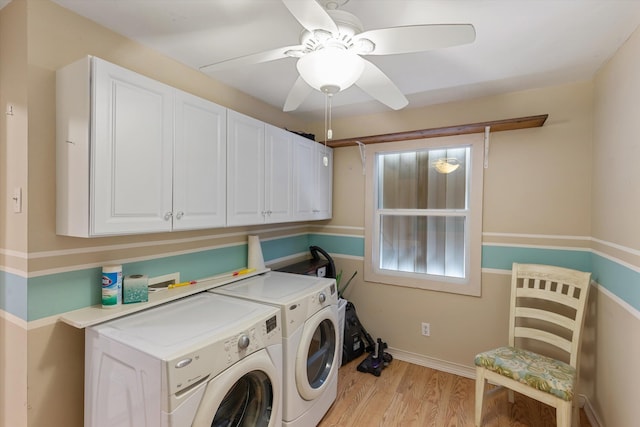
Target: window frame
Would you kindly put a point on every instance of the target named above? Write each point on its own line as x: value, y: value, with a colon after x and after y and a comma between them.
x: 471, y: 284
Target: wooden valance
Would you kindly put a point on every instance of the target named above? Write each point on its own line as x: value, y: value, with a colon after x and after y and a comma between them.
x: 495, y: 126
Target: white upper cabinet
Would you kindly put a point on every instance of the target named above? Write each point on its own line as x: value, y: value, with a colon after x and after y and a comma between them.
x: 323, y: 200
x: 115, y: 154
x: 313, y: 180
x: 200, y: 173
x: 278, y: 174
x: 259, y: 184
x: 245, y: 174
x: 137, y: 156
x: 304, y: 178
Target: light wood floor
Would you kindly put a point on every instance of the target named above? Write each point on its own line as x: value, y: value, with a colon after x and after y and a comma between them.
x: 410, y: 395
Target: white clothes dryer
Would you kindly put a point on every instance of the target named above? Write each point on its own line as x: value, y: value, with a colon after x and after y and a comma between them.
x: 310, y: 336
x: 205, y: 360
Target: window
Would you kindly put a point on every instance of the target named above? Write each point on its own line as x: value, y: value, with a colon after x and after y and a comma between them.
x: 424, y: 214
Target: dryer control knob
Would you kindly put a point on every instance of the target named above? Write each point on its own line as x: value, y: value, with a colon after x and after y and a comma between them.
x: 322, y: 297
x: 243, y: 341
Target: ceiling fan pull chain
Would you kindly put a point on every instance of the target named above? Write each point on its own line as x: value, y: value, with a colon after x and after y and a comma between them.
x: 330, y: 131
x: 326, y: 112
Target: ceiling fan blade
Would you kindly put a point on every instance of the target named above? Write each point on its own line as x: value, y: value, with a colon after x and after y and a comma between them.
x: 311, y: 15
x: 418, y: 38
x: 376, y: 83
x: 297, y: 94
x: 255, y: 58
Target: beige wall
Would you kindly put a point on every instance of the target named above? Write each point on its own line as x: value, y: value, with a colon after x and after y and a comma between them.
x: 616, y: 209
x: 13, y: 226
x: 13, y: 374
x: 13, y: 138
x: 616, y: 148
x: 537, y: 183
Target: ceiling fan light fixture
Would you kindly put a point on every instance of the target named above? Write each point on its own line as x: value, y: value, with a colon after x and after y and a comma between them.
x: 330, y: 66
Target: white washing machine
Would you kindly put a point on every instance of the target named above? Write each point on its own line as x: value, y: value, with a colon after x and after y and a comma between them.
x: 205, y: 360
x: 310, y: 336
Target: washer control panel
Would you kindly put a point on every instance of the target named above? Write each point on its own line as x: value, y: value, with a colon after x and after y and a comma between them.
x: 197, y: 366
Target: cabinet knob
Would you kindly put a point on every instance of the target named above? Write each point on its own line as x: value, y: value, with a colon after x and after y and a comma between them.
x: 168, y: 216
x: 179, y: 215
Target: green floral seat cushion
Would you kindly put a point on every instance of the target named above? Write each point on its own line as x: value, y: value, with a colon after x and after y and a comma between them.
x: 543, y: 373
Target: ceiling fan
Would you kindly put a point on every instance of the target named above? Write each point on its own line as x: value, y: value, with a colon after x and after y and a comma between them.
x: 331, y: 49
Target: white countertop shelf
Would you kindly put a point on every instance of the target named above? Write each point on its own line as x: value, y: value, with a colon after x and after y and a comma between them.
x: 96, y: 314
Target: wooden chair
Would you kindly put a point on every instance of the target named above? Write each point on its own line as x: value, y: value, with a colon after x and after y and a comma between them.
x: 545, y: 327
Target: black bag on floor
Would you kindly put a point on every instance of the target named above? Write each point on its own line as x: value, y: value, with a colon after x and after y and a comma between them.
x: 354, y: 336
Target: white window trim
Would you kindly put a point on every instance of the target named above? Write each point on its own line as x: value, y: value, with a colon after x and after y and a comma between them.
x: 472, y: 284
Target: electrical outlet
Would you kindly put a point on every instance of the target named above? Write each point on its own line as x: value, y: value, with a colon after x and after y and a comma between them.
x: 426, y: 329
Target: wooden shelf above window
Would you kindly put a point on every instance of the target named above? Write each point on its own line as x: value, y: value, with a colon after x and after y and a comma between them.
x: 495, y: 126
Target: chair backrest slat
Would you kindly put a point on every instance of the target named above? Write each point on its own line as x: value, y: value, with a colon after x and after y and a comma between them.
x: 563, y: 299
x: 546, y: 337
x: 555, y: 318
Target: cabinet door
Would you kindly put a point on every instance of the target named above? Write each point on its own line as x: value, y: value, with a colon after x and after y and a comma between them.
x: 245, y: 177
x: 199, y: 175
x: 304, y: 178
x: 131, y: 158
x: 324, y: 182
x: 278, y: 174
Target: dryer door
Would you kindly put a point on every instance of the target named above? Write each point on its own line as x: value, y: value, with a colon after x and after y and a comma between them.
x: 247, y: 394
x: 317, y: 358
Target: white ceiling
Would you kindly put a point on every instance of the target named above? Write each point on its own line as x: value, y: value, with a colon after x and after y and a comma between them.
x: 520, y: 44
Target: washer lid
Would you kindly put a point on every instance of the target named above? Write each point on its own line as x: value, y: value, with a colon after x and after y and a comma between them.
x: 276, y: 287
x: 186, y: 324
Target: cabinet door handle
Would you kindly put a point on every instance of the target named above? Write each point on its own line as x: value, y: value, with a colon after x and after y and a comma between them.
x: 168, y: 216
x: 179, y: 215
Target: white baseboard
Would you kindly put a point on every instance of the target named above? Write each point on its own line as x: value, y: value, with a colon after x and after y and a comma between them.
x: 470, y: 372
x: 593, y: 418
x: 433, y: 363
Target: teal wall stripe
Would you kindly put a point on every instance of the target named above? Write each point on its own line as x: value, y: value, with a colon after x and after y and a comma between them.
x: 58, y: 293
x: 280, y: 248
x: 343, y: 245
x: 618, y: 279
x: 502, y: 257
x: 62, y: 292
x: 194, y: 265
x: 13, y: 294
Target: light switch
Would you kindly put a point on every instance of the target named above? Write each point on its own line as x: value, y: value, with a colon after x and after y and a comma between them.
x: 17, y: 200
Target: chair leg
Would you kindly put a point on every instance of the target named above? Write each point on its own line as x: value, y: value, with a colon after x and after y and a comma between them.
x: 479, y: 394
x: 563, y: 414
